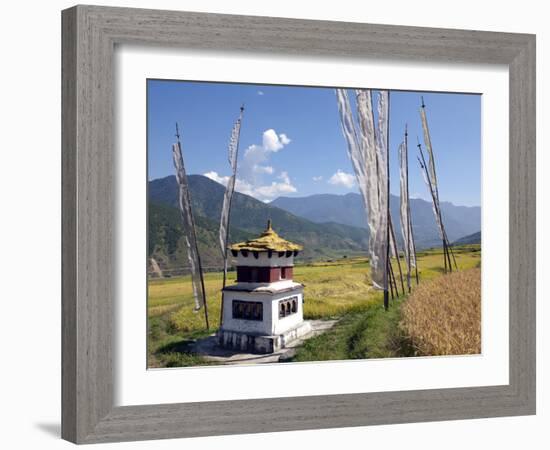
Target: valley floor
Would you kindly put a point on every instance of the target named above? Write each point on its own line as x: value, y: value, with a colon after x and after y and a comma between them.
x: 336, y: 290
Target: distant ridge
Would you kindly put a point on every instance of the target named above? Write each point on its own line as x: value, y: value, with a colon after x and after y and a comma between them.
x: 248, y: 218
x: 327, y: 225
x: 348, y: 210
x: 474, y: 238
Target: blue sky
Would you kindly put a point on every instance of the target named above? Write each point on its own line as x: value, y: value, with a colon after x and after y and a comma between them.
x: 292, y: 144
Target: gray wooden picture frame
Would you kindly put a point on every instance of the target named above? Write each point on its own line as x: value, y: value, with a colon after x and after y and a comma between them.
x: 90, y: 34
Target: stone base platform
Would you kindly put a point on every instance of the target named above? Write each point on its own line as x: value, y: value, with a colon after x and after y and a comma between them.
x: 252, y: 343
x: 209, y: 348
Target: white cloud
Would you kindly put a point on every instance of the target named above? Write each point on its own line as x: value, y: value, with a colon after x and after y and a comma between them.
x: 284, y: 139
x: 319, y: 178
x: 240, y: 185
x: 418, y: 196
x: 256, y: 156
x: 243, y: 187
x: 265, y: 193
x: 341, y: 178
x: 264, y: 169
x: 260, y: 92
x: 275, y: 189
x: 255, y: 152
x: 217, y: 178
x: 273, y: 142
x: 284, y: 176
x: 253, y: 170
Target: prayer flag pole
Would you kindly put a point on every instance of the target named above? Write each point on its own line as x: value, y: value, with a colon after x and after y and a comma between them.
x: 233, y: 153
x: 188, y: 224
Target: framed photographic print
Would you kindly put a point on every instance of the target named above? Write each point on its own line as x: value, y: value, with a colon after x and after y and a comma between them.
x: 312, y: 297
x: 277, y: 224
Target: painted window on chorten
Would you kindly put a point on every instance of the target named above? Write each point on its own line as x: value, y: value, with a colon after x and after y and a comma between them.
x: 288, y: 306
x: 248, y: 310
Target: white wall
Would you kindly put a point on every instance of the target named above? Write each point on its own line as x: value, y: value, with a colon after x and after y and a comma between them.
x: 30, y: 225
x: 262, y: 260
x: 286, y: 323
x: 271, y: 323
x: 256, y: 326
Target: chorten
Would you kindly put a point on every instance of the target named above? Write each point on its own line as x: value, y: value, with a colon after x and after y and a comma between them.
x: 263, y: 310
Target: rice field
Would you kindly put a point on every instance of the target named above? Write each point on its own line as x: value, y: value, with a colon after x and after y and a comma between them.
x: 443, y: 315
x: 333, y: 289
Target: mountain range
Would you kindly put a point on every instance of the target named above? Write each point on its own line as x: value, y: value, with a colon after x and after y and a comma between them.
x: 348, y: 209
x: 248, y: 218
x: 474, y: 238
x: 326, y: 225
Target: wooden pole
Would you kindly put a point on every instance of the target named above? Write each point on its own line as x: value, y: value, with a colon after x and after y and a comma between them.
x: 196, y: 246
x: 387, y: 281
x: 453, y: 255
x: 225, y: 253
x: 407, y: 243
x: 415, y: 260
x: 450, y: 248
x: 204, y: 294
x: 392, y: 281
x: 200, y: 272
x: 386, y: 270
x: 387, y: 286
x: 447, y: 245
x: 394, y: 241
x: 388, y: 262
x: 230, y: 202
x: 436, y: 204
x: 410, y: 233
x: 445, y: 255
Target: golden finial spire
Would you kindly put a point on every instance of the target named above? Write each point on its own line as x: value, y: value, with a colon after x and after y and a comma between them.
x: 268, y: 225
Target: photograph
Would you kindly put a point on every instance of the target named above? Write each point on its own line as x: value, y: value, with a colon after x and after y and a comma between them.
x: 303, y: 224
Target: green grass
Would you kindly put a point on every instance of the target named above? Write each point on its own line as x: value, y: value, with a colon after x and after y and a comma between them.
x: 368, y: 332
x: 339, y: 289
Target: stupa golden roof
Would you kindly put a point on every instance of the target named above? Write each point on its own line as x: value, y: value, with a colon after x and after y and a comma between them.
x: 268, y: 240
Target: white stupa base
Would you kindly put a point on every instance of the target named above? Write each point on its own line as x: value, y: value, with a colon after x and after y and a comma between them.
x: 256, y: 343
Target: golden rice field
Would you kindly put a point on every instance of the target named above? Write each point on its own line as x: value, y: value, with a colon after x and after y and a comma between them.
x: 332, y: 290
x: 443, y: 315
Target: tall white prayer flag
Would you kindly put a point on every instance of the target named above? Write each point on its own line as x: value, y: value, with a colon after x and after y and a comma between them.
x: 382, y: 159
x: 405, y: 216
x: 230, y: 188
x: 368, y: 157
x: 188, y: 227
x: 428, y: 143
